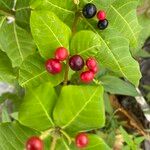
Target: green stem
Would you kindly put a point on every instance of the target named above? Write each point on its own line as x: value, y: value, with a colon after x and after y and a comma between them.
x: 53, y: 145
x: 75, y: 22
x: 67, y: 62
x: 67, y: 136
x: 66, y: 72
x: 6, y: 13
x: 46, y: 133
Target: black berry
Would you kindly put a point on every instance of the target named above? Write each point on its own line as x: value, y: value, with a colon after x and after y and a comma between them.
x: 89, y: 10
x: 102, y: 24
x: 76, y: 62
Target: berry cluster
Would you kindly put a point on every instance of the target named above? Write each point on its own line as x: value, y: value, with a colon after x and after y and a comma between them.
x: 90, y: 10
x: 35, y: 143
x: 53, y: 65
x: 76, y: 63
x: 89, y: 74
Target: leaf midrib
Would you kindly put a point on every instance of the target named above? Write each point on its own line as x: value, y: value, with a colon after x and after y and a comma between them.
x: 124, y: 21
x: 5, y: 4
x: 78, y: 113
x: 88, y: 49
x: 69, y: 11
x: 108, y: 49
x: 46, y: 113
x: 33, y: 78
x: 51, y: 30
x: 17, y: 41
x: 66, y: 145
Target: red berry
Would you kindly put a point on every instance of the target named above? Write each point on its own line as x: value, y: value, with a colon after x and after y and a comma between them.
x: 101, y: 15
x: 91, y: 63
x: 53, y: 66
x: 95, y: 69
x: 76, y: 62
x: 34, y: 143
x: 81, y: 140
x: 87, y: 76
x: 61, y: 53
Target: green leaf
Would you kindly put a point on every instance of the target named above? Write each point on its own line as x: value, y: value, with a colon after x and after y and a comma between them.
x: 22, y: 13
x: 81, y: 105
x: 106, y: 47
x: 6, y: 4
x: 13, y: 136
x: 95, y: 143
x: 62, y: 144
x: 6, y: 71
x: 16, y: 42
x: 85, y: 43
x: 32, y: 72
x: 5, y: 114
x: 49, y: 32
x: 126, y: 137
x: 122, y: 15
x: 108, y: 106
x: 145, y: 23
x: 36, y: 109
x: 112, y: 84
x: 139, y: 140
x: 58, y: 7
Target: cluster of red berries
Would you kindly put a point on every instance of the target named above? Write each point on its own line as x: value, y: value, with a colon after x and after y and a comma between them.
x: 35, y: 143
x: 90, y: 10
x: 88, y: 76
x: 53, y: 65
x: 76, y: 63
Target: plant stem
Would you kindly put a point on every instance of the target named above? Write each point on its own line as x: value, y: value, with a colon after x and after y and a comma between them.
x: 73, y: 32
x: 53, y: 145
x: 46, y: 133
x: 67, y: 136
x: 75, y: 22
x: 66, y: 72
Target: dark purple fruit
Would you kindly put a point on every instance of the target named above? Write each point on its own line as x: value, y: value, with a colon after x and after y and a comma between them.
x: 89, y: 10
x: 76, y: 62
x: 102, y: 24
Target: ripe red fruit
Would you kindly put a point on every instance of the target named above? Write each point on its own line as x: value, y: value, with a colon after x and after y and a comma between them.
x: 61, y: 53
x: 81, y: 140
x: 95, y: 69
x: 101, y: 15
x: 76, y: 62
x: 91, y: 63
x: 53, y: 66
x: 87, y: 76
x: 34, y: 143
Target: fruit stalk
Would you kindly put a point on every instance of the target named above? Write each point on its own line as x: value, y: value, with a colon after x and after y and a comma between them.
x: 66, y: 72
x: 53, y: 144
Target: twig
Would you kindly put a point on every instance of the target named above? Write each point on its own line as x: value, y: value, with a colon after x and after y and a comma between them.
x: 132, y: 120
x: 77, y: 15
x: 66, y: 73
